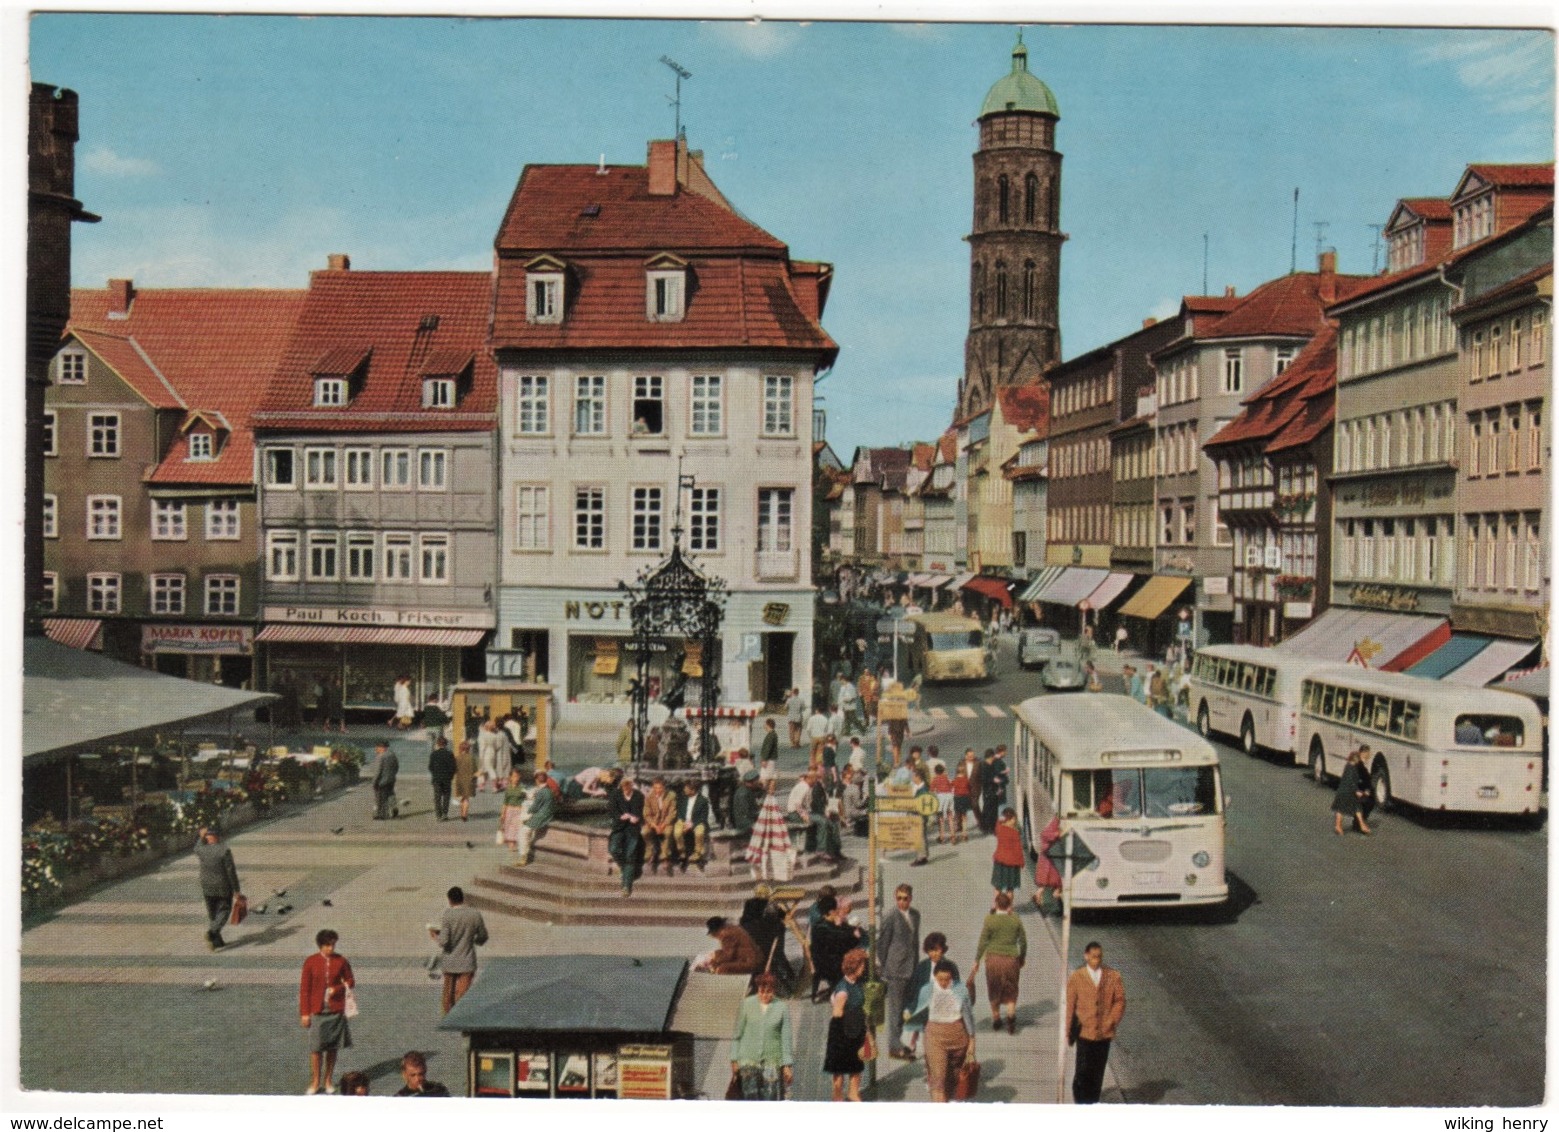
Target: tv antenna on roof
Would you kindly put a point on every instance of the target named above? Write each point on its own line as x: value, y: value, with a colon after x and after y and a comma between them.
x: 1375, y: 247
x: 682, y: 73
x: 1320, y: 227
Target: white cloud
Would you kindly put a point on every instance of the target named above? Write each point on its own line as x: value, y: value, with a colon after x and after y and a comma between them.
x: 760, y: 39
x: 100, y: 159
x: 1514, y: 71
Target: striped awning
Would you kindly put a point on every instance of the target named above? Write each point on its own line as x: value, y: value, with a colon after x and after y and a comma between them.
x: 727, y: 711
x: 1074, y: 586
x: 1109, y: 589
x: 1388, y: 642
x: 1157, y: 594
x: 1491, y: 663
x: 1457, y: 651
x: 371, y: 635
x: 1037, y: 586
x: 73, y: 632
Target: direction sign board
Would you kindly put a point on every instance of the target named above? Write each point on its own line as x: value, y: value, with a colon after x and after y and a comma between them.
x: 1069, y: 845
x: 925, y: 805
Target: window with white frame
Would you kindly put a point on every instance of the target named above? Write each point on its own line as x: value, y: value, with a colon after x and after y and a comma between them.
x: 532, y: 519
x: 280, y: 470
x: 103, y: 435
x: 645, y: 518
x: 324, y: 556
x: 544, y: 296
x: 222, y: 520
x: 1233, y: 370
x: 1188, y: 522
x: 395, y: 469
x: 51, y: 591
x: 319, y: 468
x: 200, y: 446
x: 1538, y: 338
x: 663, y: 298
x: 432, y: 469
x: 704, y: 519
x: 1512, y: 552
x: 168, y: 593
x: 221, y: 595
x: 707, y: 407
x: 359, y: 468
x: 778, y: 405
x: 1512, y: 462
x: 329, y: 392
x: 590, y: 518
x: 281, y: 556
x: 397, y: 556
x: 103, y: 593
x: 649, y: 405
x: 438, y: 393
x: 51, y: 433
x: 71, y: 367
x: 360, y: 565
x: 51, y: 521
x: 168, y: 519
x: 103, y: 516
x: 435, y: 557
x: 1515, y: 344
x: 1284, y: 356
x: 532, y: 405
x: 1534, y: 554
x: 1534, y: 437
x: 589, y: 405
x: 775, y: 519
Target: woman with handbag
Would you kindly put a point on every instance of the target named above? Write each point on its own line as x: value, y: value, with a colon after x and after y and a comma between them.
x: 325, y: 1002
x: 849, y: 1041
x: 1003, y: 947
x: 762, y: 1058
x: 945, y: 1011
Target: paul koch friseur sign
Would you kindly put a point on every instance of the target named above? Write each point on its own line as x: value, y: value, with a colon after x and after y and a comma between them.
x: 213, y: 640
x: 394, y: 618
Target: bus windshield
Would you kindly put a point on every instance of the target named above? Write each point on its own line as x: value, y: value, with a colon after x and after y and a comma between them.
x: 1156, y: 792
x: 949, y: 642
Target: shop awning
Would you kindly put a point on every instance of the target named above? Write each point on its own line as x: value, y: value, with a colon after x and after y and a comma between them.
x: 1537, y: 684
x: 74, y: 633
x: 918, y: 580
x: 937, y: 581
x: 371, y: 635
x: 1111, y: 588
x: 1389, y: 642
x: 1157, y: 594
x: 1450, y: 656
x: 1073, y: 586
x: 993, y: 588
x: 1038, y: 585
x: 961, y: 580
x: 1491, y: 663
x: 582, y: 993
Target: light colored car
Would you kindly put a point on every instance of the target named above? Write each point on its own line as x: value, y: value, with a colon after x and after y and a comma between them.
x: 1037, y: 647
x: 1063, y: 675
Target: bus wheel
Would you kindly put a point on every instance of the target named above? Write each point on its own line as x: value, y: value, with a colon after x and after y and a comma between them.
x: 1317, y: 762
x: 1203, y: 725
x: 1247, y: 736
x: 1380, y: 783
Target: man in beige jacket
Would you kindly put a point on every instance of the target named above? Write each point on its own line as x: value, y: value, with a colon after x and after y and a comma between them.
x: 1095, y: 1001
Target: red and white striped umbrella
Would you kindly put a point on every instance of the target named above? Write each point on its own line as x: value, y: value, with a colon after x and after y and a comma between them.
x: 770, y: 852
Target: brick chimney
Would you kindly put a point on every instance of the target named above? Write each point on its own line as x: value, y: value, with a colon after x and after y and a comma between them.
x: 663, y: 168
x: 120, y: 294
x: 338, y: 261
x: 1149, y: 321
x: 1326, y: 267
x: 1229, y: 292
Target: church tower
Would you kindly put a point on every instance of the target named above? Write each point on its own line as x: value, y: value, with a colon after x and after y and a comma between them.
x: 1015, y: 244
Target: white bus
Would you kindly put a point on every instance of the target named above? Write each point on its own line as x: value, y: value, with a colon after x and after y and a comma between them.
x: 1142, y: 792
x: 1252, y: 693
x: 1432, y: 745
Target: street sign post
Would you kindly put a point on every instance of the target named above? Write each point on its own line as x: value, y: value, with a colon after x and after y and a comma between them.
x: 1070, y: 854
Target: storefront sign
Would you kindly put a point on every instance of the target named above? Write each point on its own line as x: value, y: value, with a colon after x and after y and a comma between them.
x: 1298, y: 610
x: 1382, y: 494
x: 400, y: 618
x: 1179, y: 562
x: 594, y: 610
x: 1385, y: 597
x: 1215, y: 586
x: 212, y: 640
x: 644, y: 1073
x: 776, y: 613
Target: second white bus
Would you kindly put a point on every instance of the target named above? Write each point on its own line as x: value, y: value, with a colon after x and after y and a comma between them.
x: 1252, y: 693
x: 1143, y: 793
x: 1429, y: 744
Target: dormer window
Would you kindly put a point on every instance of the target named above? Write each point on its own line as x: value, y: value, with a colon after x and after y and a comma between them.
x: 665, y: 288
x: 544, y: 289
x: 200, y: 446
x: 1474, y: 220
x: 329, y: 391
x: 438, y: 393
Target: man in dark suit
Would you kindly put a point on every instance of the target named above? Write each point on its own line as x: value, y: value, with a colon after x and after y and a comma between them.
x: 691, y: 830
x: 218, y: 884
x: 386, y: 767
x: 441, y: 769
x: 626, y: 841
x: 898, y: 950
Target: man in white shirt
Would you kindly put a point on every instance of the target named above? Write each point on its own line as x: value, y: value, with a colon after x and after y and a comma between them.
x: 817, y: 732
x: 799, y: 802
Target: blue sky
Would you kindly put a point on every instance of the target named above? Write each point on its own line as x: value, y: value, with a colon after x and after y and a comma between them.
x: 240, y: 151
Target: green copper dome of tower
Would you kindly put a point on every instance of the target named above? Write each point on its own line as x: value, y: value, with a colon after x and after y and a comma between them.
x: 1020, y: 90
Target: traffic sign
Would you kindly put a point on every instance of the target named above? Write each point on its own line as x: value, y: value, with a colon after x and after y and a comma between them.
x: 925, y: 805
x: 1069, y: 845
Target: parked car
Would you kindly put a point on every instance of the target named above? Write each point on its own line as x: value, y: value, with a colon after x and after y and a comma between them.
x: 1063, y: 675
x: 1037, y: 647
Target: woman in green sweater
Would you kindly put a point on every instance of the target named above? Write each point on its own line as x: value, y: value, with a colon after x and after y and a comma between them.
x: 1003, y: 947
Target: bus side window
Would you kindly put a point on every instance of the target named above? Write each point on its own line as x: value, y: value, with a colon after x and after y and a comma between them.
x: 1224, y: 667
x: 1397, y: 709
x: 1382, y: 713
x: 1327, y: 693
x: 1248, y: 677
x: 1410, y: 721
x: 1355, y: 702
x: 1269, y: 680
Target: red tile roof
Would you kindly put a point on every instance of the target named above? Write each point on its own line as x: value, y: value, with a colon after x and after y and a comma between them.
x: 743, y: 289
x: 217, y: 349
x: 1288, y: 409
x: 383, y: 315
x: 922, y: 456
x: 1291, y: 304
x: 1026, y: 407
x: 1430, y: 208
x: 1516, y: 176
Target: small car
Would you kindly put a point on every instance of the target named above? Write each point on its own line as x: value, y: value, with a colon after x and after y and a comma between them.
x: 1063, y: 675
x: 1037, y: 647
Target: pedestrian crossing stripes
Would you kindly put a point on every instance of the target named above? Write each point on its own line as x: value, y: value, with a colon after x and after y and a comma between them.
x: 995, y: 711
x: 966, y: 712
x: 937, y: 713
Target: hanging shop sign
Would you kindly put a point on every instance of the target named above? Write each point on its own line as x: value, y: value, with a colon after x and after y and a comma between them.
x: 211, y: 640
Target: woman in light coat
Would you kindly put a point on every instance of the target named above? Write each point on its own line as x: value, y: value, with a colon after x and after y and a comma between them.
x: 762, y: 1056
x: 945, y: 1011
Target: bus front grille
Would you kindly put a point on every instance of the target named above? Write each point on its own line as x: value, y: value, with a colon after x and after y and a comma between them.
x: 1145, y: 852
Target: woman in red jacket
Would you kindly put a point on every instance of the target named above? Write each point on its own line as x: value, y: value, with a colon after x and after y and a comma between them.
x: 322, y: 1009
x: 1007, y: 861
